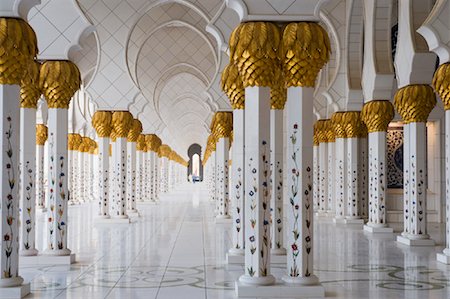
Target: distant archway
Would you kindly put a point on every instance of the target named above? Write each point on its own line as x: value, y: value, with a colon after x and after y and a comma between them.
x: 195, y: 167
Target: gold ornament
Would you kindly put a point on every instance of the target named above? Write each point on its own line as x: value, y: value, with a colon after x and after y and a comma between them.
x: 59, y: 80
x: 331, y: 137
x: 352, y: 124
x: 441, y: 83
x: 253, y: 48
x: 41, y: 134
x: 73, y: 141
x: 164, y: 151
x: 93, y: 147
x: 231, y: 84
x: 222, y: 125
x: 121, y: 123
x: 18, y: 49
x: 377, y: 115
x: 29, y: 86
x: 153, y: 142
x: 278, y: 93
x: 337, y: 120
x: 321, y: 128
x: 305, y: 49
x: 101, y: 121
x: 363, y: 130
x: 415, y: 102
x: 140, y: 143
x: 85, y: 145
x: 135, y: 130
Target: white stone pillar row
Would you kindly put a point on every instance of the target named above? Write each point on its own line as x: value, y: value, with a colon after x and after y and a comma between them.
x: 278, y: 97
x: 321, y: 126
x: 133, y: 135
x: 29, y: 95
x: 340, y: 166
x: 153, y: 144
x: 19, y: 44
x: 362, y: 172
x: 170, y: 173
x: 41, y: 138
x: 414, y: 103
x: 441, y: 84
x: 377, y: 114
x: 93, y: 152
x: 83, y: 160
x: 221, y: 127
x: 59, y: 81
x: 102, y: 123
x: 301, y: 68
x: 353, y: 125
x: 140, y: 147
x: 147, y: 170
x: 121, y: 123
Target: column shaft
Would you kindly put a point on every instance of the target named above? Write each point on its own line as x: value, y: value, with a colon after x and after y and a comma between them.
x: 257, y: 180
x: 222, y: 150
x: 103, y: 177
x: 276, y: 161
x: 57, y: 182
x: 139, y: 175
x: 40, y: 190
x: 131, y: 176
x: 299, y: 108
x: 120, y: 178
x: 331, y: 209
x: 340, y: 177
x: 352, y: 178
x: 362, y: 170
x: 323, y: 177
x: 27, y: 194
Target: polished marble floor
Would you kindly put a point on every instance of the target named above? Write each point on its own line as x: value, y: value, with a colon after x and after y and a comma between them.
x: 175, y: 250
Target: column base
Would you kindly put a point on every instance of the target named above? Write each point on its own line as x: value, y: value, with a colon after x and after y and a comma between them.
x: 112, y: 221
x: 274, y: 291
x: 321, y: 214
x: 18, y: 292
x: 443, y: 258
x: 278, y: 251
x: 223, y: 219
x: 415, y: 242
x: 378, y: 230
x: 47, y: 259
x: 354, y: 221
x: 41, y: 210
x: 247, y: 280
x: 338, y: 220
x: 28, y: 252
x: 133, y: 213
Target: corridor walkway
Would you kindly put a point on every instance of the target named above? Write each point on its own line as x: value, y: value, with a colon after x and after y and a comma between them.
x: 175, y: 250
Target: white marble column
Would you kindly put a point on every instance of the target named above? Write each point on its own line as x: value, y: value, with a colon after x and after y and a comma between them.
x: 363, y: 175
x: 120, y: 178
x: 140, y: 168
x: 222, y: 159
x: 27, y: 194
x: 147, y: 174
x: 237, y: 190
x: 444, y: 257
x: 81, y: 195
x: 323, y: 177
x: 131, y: 177
x: 57, y: 182
x: 316, y: 175
x: 353, y: 166
x: 103, y: 177
x: 41, y: 138
x: 151, y: 177
x: 156, y: 176
x: 276, y: 161
x: 300, y: 218
x: 9, y: 225
x: 257, y: 180
x: 331, y: 182
x: 416, y: 207
x: 340, y: 179
x: 74, y: 174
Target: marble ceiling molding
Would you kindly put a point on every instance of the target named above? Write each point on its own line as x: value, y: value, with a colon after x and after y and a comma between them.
x: 435, y: 30
x: 275, y: 10
x: 60, y: 27
x: 17, y: 8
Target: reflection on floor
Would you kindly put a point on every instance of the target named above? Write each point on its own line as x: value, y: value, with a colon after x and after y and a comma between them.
x: 176, y: 251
